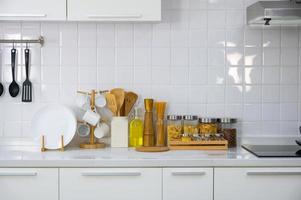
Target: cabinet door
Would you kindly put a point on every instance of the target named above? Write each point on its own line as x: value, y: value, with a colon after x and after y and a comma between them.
x: 188, y: 183
x: 19, y: 184
x: 33, y: 10
x: 114, y: 10
x: 110, y: 184
x: 257, y: 183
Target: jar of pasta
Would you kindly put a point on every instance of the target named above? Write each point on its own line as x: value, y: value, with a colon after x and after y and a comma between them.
x: 191, y: 125
x: 208, y: 127
x: 174, y: 127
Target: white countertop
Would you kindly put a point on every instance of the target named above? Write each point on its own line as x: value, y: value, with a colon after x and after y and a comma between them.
x: 13, y: 156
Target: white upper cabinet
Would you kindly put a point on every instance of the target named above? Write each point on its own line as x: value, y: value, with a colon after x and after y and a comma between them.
x: 257, y: 183
x: 29, y: 10
x: 114, y: 10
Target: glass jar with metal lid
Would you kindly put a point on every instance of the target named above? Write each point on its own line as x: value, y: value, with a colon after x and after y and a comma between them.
x: 174, y: 127
x: 226, y: 123
x: 228, y: 131
x: 191, y: 125
x: 208, y: 126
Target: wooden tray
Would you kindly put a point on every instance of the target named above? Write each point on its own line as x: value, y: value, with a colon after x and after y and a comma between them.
x: 152, y: 149
x: 199, y: 145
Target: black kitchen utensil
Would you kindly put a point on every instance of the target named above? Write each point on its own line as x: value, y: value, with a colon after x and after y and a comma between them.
x: 27, y: 86
x: 1, y: 89
x: 299, y: 141
x: 13, y: 87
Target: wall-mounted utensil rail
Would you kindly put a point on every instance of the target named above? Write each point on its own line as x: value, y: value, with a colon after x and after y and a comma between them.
x: 40, y: 40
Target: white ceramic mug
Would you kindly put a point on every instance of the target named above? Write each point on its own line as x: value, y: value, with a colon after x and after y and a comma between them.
x: 83, y: 101
x: 83, y: 130
x: 100, y: 101
x: 102, y: 130
x: 91, y: 117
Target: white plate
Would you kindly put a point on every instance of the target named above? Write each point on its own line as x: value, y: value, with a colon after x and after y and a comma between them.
x: 52, y: 121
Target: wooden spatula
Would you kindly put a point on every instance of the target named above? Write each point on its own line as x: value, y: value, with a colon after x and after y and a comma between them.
x: 111, y: 103
x: 130, y: 100
x: 122, y: 109
x: 119, y: 96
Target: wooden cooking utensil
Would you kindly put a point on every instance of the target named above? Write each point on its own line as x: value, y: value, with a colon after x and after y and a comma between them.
x: 130, y: 100
x: 111, y: 103
x: 122, y: 109
x: 119, y: 96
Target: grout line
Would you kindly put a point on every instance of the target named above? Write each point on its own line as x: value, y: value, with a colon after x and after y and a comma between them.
x: 113, y: 83
x: 77, y: 58
x: 133, y: 56
x: 299, y: 76
x: 98, y: 62
x: 279, y: 83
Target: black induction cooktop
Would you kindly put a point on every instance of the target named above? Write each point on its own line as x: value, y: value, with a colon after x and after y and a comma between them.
x: 274, y: 151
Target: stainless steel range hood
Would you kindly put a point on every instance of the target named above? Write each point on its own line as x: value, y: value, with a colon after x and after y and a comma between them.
x: 282, y: 13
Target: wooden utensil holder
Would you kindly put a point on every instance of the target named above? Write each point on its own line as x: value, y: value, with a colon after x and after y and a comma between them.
x: 43, y: 148
x: 92, y: 144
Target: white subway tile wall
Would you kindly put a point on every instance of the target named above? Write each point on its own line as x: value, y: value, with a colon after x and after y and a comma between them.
x: 201, y: 58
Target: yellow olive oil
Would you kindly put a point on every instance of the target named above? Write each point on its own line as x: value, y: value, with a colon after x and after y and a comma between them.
x: 136, y: 131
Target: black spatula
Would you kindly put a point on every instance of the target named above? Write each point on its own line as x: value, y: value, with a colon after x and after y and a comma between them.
x: 27, y: 86
x: 299, y: 141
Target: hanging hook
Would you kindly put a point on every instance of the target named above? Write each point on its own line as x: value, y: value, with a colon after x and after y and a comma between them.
x: 13, y: 45
x: 26, y: 45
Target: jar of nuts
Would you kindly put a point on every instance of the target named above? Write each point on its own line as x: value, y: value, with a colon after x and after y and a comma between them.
x: 191, y: 125
x: 174, y: 127
x: 208, y: 127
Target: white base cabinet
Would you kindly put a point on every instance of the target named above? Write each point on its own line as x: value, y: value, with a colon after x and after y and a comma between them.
x: 188, y: 183
x: 28, y: 184
x: 257, y: 183
x: 150, y: 183
x: 110, y: 184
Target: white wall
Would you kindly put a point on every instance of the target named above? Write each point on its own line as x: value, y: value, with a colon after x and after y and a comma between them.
x: 201, y: 58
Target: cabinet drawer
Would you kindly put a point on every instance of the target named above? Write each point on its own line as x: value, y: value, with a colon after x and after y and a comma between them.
x: 114, y: 10
x: 40, y: 10
x: 188, y: 183
x: 257, y: 183
x: 110, y: 183
x: 18, y: 184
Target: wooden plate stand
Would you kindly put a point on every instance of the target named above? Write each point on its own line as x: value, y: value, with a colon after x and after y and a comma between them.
x: 43, y: 148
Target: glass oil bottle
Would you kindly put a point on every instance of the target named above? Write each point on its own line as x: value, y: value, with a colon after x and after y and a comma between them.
x: 136, y: 130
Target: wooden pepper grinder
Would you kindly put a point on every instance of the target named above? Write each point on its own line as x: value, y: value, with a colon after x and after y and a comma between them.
x: 148, y: 129
x: 160, y: 110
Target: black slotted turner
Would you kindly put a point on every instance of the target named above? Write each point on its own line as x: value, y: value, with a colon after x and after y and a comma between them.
x: 27, y: 86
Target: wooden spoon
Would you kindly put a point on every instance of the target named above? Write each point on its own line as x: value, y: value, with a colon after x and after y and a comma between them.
x: 130, y: 100
x: 119, y: 96
x: 111, y: 103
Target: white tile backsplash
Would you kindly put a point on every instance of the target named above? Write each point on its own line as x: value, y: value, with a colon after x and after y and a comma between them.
x: 201, y: 58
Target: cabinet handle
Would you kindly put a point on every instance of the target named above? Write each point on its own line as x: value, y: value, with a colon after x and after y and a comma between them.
x: 111, y: 173
x: 200, y: 173
x: 18, y: 173
x: 269, y: 173
x: 115, y: 16
x: 23, y: 15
